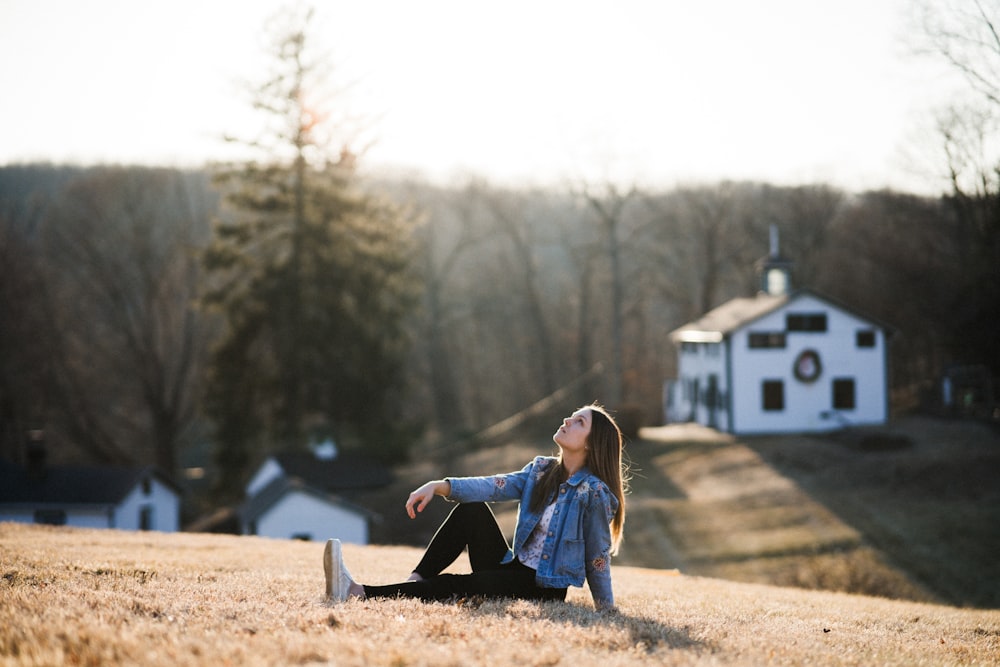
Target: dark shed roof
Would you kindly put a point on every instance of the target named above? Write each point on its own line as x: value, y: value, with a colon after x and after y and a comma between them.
x: 71, y: 484
x: 279, y: 487
x: 346, y: 472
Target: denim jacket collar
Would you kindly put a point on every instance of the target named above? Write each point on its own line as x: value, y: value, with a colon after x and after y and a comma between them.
x: 578, y: 476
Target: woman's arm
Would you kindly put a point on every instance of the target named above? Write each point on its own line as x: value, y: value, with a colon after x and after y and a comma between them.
x: 419, y: 499
x: 597, y: 547
x: 493, y: 488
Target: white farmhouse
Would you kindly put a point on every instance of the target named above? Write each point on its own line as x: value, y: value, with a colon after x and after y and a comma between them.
x: 781, y: 362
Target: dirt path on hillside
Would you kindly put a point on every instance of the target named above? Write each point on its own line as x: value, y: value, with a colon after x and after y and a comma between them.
x: 923, y: 491
x: 709, y: 505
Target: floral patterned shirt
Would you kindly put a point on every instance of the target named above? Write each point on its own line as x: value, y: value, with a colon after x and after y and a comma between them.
x: 531, y: 554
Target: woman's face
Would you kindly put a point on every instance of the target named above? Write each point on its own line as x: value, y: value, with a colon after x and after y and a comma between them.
x: 572, y: 435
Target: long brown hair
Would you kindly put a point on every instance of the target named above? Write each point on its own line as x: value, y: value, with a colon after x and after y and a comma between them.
x: 604, y: 459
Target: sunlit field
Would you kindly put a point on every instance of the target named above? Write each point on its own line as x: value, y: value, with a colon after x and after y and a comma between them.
x: 71, y: 596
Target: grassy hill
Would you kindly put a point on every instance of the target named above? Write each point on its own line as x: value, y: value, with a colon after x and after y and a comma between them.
x: 70, y: 596
x: 910, y: 512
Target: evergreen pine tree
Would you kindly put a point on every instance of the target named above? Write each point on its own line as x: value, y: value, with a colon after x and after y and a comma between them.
x: 310, y: 274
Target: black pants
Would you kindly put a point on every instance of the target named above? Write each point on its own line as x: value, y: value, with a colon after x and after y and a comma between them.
x: 469, y: 526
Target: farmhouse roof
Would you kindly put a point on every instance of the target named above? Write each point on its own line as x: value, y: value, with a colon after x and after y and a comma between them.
x: 346, y: 472
x: 260, y: 503
x: 727, y: 318
x: 735, y: 314
x: 71, y: 484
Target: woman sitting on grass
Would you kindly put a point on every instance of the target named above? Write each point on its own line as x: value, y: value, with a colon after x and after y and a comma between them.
x: 569, y: 524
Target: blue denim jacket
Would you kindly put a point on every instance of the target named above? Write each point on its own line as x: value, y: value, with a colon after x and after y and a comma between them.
x: 578, y: 543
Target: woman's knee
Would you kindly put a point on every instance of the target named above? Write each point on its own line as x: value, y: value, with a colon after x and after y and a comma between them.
x: 471, y: 512
x: 471, y: 508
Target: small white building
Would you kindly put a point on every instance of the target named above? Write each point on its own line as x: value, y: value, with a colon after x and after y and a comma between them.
x: 781, y: 362
x: 291, y: 509
x: 303, y: 496
x: 89, y: 497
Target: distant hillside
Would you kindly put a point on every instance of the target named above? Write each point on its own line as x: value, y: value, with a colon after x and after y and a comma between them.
x: 70, y: 596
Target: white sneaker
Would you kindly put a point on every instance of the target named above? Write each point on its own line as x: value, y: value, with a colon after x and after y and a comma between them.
x: 338, y: 579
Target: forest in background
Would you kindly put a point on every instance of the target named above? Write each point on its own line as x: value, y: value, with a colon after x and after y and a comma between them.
x: 522, y: 293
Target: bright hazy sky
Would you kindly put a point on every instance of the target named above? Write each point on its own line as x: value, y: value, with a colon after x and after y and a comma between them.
x: 655, y: 92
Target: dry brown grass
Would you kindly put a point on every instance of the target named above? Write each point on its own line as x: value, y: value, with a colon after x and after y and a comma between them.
x: 111, y: 598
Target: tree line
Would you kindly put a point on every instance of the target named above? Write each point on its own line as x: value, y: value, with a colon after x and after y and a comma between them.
x: 109, y: 319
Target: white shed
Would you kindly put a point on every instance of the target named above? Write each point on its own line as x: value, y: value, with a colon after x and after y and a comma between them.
x: 89, y: 497
x: 291, y: 509
x: 300, y: 495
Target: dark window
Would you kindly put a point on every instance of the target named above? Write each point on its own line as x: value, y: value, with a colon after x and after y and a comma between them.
x: 843, y: 393
x: 146, y: 517
x: 51, y: 517
x: 712, y: 392
x: 147, y: 487
x: 766, y: 339
x: 812, y: 322
x: 774, y: 395
x: 865, y: 338
x: 689, y: 348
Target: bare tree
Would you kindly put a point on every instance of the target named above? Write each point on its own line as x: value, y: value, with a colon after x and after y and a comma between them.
x: 122, y: 246
x: 895, y: 257
x: 805, y: 216
x: 703, y: 241
x: 609, y: 203
x: 24, y: 341
x: 964, y: 35
x: 447, y: 236
x: 513, y: 220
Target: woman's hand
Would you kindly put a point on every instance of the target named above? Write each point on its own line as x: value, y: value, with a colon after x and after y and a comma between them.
x: 419, y: 499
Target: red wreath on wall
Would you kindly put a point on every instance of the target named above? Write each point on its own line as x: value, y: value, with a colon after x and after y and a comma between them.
x: 807, y: 367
